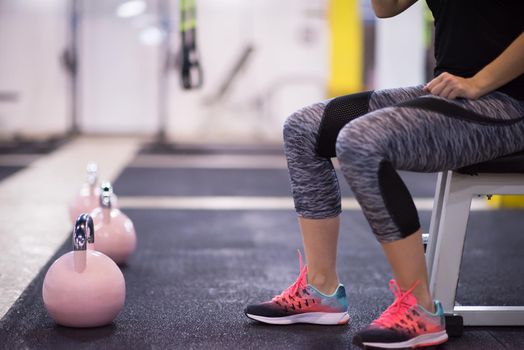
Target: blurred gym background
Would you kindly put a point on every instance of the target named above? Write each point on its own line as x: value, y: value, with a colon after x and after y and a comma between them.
x: 196, y: 159
x: 113, y: 66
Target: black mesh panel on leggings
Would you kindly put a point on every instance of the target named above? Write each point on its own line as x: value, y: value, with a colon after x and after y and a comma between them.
x: 339, y: 112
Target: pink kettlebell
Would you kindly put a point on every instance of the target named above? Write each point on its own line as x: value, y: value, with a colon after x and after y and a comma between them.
x: 87, y: 199
x: 115, y: 233
x: 83, y: 288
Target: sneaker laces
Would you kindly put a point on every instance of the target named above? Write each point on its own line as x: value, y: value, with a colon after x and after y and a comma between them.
x: 292, y: 292
x: 403, y: 301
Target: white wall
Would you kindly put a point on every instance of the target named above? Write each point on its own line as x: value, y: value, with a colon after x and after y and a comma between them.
x: 283, y: 74
x: 118, y: 75
x: 32, y: 37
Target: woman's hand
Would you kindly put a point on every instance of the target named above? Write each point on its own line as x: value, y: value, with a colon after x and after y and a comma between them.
x: 450, y: 86
x: 506, y: 67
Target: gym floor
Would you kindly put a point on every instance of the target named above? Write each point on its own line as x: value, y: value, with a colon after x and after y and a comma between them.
x: 217, y: 230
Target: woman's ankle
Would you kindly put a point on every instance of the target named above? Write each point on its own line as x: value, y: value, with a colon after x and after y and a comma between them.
x: 323, y: 283
x: 425, y: 300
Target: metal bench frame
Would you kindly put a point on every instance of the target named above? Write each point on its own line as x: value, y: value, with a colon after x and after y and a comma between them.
x: 447, y: 233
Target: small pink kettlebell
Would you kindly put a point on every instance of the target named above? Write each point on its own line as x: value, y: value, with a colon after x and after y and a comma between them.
x: 87, y: 199
x: 83, y: 288
x: 115, y: 232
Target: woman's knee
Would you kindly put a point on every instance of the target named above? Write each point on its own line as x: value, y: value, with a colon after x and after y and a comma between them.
x: 302, y: 126
x: 351, y: 144
x: 366, y: 164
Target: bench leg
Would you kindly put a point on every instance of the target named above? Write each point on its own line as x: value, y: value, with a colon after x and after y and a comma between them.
x: 449, y: 241
x: 435, y: 219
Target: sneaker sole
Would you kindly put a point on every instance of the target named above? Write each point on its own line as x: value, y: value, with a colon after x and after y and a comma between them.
x: 422, y: 340
x: 324, y: 318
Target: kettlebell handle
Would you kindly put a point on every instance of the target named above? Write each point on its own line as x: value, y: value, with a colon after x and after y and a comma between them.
x: 80, y: 240
x: 105, y: 195
x: 80, y: 236
x: 92, y: 176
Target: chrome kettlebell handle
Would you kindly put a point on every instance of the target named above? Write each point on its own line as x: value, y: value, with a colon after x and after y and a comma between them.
x: 106, y: 194
x: 92, y: 177
x: 80, y: 235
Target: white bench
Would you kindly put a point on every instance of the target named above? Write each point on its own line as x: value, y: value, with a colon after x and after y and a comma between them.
x: 447, y: 233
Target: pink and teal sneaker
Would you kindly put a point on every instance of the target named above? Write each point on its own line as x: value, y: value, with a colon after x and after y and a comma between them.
x: 404, y: 324
x: 302, y: 303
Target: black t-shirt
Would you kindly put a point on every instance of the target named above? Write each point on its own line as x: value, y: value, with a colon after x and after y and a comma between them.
x: 469, y: 34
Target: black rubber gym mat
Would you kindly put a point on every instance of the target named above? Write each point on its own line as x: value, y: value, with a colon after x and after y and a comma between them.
x: 193, y: 273
x: 6, y: 171
x: 202, y: 182
x: 136, y: 181
x: 26, y: 146
x: 209, y: 149
x: 29, y: 149
x: 493, y: 256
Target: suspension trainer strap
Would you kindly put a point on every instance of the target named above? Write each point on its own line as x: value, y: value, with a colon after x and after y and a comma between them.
x: 191, y: 75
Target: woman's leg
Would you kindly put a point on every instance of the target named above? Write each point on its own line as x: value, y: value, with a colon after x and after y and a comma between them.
x: 316, y: 296
x: 315, y: 186
x: 429, y: 134
x: 320, y: 238
x: 407, y: 261
x: 316, y: 194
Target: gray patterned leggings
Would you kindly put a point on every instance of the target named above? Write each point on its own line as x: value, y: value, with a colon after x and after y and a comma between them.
x: 394, y: 136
